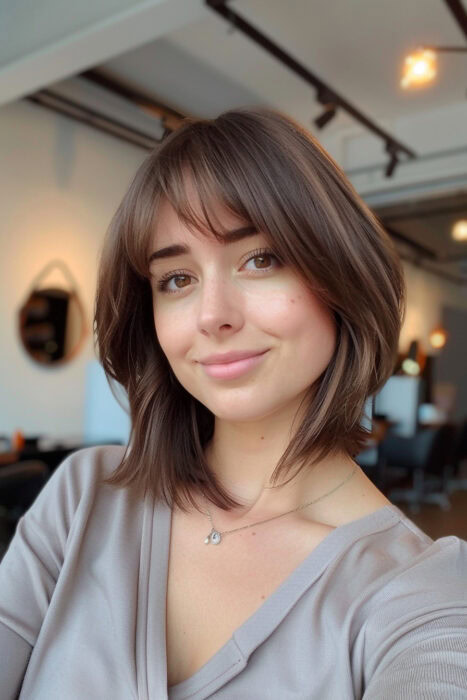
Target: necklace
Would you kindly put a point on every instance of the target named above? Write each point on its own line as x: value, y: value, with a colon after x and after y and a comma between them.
x: 215, y: 536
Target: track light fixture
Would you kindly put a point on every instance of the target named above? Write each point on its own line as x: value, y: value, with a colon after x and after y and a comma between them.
x: 328, y: 114
x: 391, y: 165
x: 326, y: 95
x: 394, y: 160
x: 330, y: 103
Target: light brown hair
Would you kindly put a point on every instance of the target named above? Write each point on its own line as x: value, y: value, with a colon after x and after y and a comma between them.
x: 271, y: 172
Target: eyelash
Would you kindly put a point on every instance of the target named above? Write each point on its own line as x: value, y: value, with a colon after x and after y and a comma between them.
x: 165, y: 279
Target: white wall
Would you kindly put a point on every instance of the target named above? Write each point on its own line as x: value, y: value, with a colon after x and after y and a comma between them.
x: 60, y: 183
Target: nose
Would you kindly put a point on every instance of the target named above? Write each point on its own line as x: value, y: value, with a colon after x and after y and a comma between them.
x: 220, y: 305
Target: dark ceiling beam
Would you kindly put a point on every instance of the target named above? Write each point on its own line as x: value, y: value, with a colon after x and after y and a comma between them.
x: 326, y: 94
x: 421, y: 250
x: 454, y: 279
x: 454, y: 257
x: 424, y: 251
x: 171, y: 119
x: 96, y: 120
x: 427, y: 214
x: 459, y: 13
x: 423, y: 254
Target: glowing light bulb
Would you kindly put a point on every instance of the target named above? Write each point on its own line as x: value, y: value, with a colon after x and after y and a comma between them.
x: 419, y: 68
x: 438, y: 337
x: 410, y: 367
x: 459, y: 230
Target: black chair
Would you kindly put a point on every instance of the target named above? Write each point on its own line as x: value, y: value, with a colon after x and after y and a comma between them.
x: 20, y: 483
x: 424, y: 457
x: 457, y: 456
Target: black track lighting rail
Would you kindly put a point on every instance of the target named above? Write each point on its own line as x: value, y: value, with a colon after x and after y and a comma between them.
x: 325, y: 94
x: 459, y: 13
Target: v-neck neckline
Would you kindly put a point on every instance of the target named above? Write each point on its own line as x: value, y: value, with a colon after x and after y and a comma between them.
x: 233, y: 656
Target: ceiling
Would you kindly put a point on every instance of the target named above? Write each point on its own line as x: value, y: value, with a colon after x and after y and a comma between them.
x: 201, y: 65
x: 208, y: 66
x: 428, y: 222
x: 357, y: 47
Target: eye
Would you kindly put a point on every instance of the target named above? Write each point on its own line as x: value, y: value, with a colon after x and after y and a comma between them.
x: 259, y: 254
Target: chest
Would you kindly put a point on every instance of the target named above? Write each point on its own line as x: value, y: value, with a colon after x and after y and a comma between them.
x: 213, y: 589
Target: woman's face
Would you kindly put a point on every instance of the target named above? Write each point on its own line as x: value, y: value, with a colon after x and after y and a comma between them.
x: 225, y: 299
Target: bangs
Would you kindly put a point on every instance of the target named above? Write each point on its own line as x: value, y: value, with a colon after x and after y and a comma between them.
x: 197, y: 183
x: 199, y: 174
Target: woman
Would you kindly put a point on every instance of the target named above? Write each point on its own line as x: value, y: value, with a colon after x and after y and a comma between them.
x: 249, y: 303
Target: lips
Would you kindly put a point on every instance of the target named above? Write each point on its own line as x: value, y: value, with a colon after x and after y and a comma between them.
x: 236, y: 369
x: 227, y: 357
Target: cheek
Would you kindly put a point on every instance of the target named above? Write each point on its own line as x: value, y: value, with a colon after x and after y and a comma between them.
x: 173, y: 332
x: 162, y: 331
x: 312, y: 327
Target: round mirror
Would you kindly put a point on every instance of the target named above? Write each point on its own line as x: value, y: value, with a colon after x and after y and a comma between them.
x: 52, y: 325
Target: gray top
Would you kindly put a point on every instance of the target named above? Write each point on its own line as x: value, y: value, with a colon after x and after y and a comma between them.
x: 378, y: 610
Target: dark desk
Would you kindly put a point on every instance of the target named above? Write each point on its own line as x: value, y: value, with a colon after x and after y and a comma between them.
x: 51, y: 457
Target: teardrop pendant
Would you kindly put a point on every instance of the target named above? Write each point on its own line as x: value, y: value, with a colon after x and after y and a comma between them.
x: 214, y: 537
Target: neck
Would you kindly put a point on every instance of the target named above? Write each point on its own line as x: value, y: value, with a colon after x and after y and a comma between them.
x: 251, y: 487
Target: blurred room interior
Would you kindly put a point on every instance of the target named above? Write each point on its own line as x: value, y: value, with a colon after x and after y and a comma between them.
x: 86, y: 92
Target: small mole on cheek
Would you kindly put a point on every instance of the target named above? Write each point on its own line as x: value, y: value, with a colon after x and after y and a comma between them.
x: 292, y: 301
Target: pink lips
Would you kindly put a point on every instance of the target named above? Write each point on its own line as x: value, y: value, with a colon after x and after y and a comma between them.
x: 232, y: 370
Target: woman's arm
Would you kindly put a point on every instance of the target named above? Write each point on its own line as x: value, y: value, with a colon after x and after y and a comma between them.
x: 28, y: 575
x: 430, y: 663
x: 14, y: 657
x: 416, y: 633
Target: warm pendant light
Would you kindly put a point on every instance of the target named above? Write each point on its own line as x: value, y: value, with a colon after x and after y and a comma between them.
x: 419, y: 68
x: 438, y: 337
x: 459, y: 230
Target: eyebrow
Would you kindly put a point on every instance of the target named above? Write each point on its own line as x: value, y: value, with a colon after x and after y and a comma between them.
x: 179, y: 249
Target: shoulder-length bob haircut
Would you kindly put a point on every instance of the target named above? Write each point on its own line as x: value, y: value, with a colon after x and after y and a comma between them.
x: 273, y: 174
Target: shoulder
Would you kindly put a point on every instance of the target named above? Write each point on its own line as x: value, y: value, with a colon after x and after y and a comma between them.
x: 84, y: 469
x: 89, y: 464
x: 415, y: 559
x: 429, y: 573
x: 75, y: 484
x: 414, y: 581
x: 391, y: 568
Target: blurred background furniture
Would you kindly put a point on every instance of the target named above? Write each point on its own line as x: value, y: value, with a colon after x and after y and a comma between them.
x: 425, y: 459
x: 24, y: 470
x: 20, y: 483
x: 457, y: 457
x: 371, y: 460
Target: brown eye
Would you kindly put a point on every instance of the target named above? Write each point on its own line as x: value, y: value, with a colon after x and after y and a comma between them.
x: 164, y: 281
x: 262, y: 257
x: 265, y: 256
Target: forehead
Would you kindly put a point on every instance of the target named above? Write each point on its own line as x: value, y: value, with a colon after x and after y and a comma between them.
x: 168, y: 225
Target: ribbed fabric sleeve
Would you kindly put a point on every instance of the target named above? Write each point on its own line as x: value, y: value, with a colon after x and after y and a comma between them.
x: 418, y: 635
